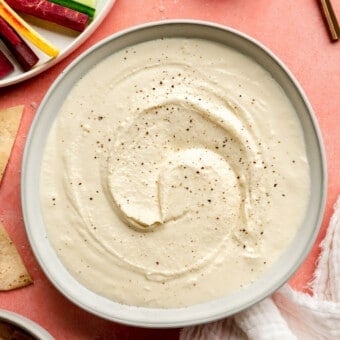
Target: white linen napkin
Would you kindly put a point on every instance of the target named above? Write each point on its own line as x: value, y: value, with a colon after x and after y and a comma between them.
x: 289, y: 314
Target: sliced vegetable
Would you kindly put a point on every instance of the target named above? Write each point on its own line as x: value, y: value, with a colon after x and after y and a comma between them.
x: 27, y: 31
x: 90, y: 3
x: 77, y: 6
x: 6, y: 66
x: 52, y: 12
x: 21, y: 51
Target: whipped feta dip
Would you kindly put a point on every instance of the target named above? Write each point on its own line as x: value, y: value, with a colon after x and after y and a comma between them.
x: 175, y: 173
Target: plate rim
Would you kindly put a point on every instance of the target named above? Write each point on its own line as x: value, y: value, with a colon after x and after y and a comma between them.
x: 26, y: 324
x: 77, y: 42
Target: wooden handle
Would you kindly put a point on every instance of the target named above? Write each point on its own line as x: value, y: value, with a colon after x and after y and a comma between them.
x: 332, y: 22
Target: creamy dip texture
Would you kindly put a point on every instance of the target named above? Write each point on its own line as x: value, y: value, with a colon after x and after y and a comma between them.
x: 175, y: 173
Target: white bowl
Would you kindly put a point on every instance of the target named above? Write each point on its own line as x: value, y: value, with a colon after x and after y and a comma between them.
x: 25, y: 324
x: 205, y: 312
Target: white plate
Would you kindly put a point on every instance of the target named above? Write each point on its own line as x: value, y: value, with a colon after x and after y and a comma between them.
x: 27, y: 325
x: 205, y: 312
x: 66, y: 40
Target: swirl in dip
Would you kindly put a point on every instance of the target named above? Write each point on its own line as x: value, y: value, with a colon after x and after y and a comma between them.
x: 175, y: 173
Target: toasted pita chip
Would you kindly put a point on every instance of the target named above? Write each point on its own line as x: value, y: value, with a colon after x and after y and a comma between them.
x: 9, y: 124
x: 13, y: 273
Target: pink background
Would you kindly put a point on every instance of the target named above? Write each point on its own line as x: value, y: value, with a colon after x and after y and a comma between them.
x: 293, y: 30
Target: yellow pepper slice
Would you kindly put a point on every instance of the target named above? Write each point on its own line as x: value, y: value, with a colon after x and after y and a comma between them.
x: 27, y: 31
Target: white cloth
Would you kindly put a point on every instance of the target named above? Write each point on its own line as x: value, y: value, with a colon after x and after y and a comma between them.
x: 289, y: 314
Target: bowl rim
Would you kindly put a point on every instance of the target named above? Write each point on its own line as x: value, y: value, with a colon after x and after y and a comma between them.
x: 176, y: 320
x: 24, y: 323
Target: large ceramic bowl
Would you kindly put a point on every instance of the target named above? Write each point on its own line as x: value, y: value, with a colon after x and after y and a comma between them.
x: 153, y: 317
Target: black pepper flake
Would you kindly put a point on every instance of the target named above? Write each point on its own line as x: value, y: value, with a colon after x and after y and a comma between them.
x: 275, y: 185
x: 90, y: 198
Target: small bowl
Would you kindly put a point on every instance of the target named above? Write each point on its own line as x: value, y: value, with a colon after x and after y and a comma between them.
x: 25, y: 324
x: 275, y: 277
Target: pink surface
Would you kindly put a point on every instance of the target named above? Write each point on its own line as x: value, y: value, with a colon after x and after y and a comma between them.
x: 293, y: 30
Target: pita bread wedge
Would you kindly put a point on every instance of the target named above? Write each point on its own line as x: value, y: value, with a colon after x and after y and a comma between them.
x: 9, y: 124
x: 13, y: 273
